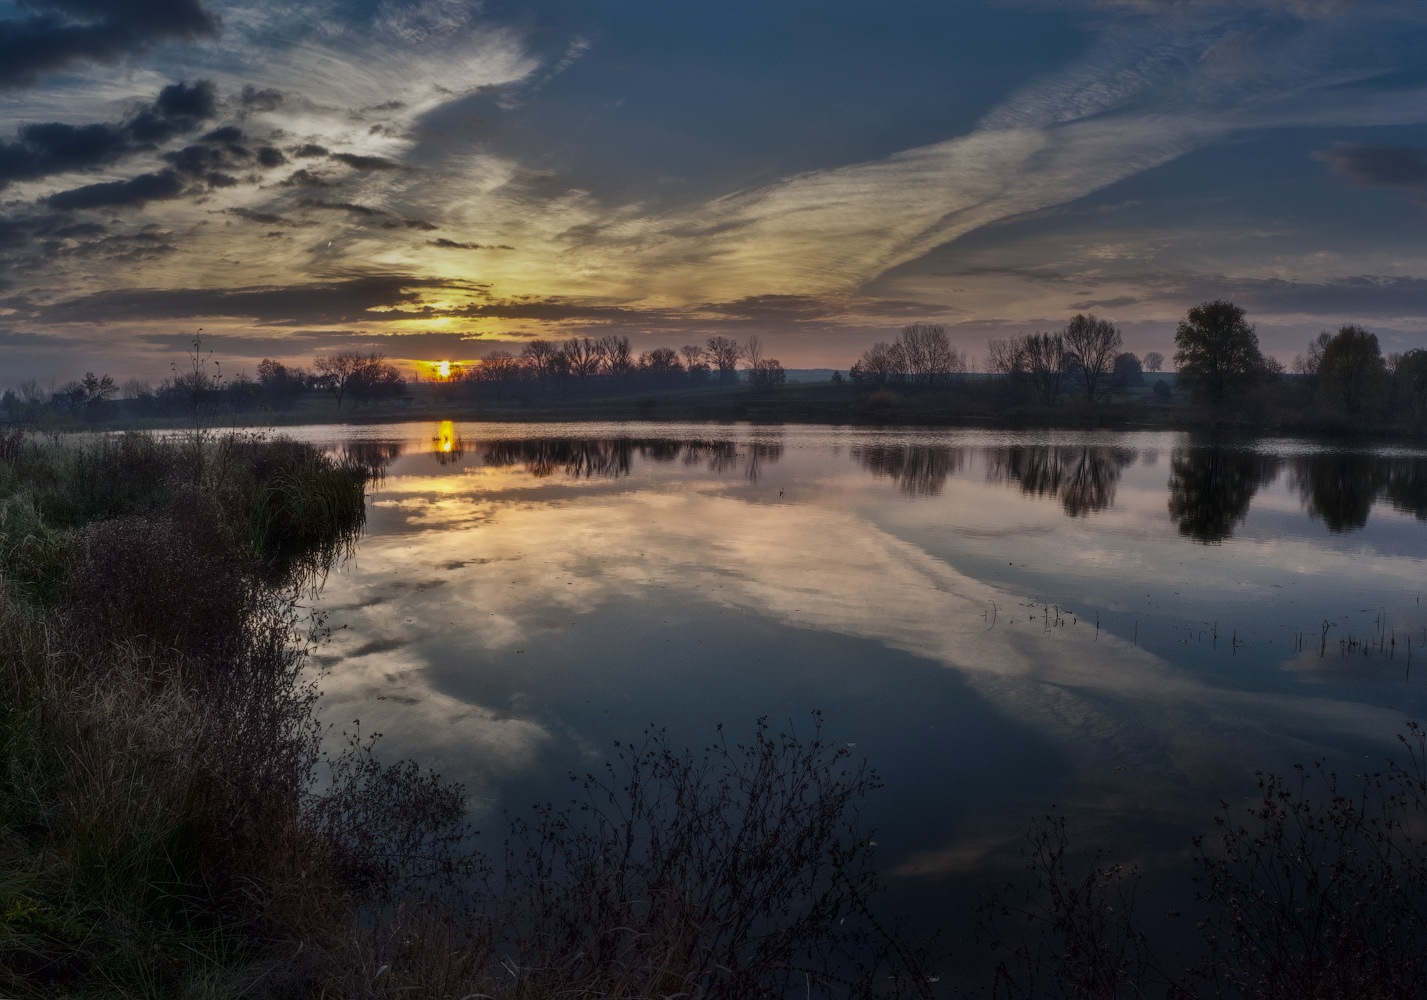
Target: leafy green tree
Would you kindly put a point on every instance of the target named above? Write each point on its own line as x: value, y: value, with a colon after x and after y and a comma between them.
x: 1351, y: 371
x: 1217, y: 352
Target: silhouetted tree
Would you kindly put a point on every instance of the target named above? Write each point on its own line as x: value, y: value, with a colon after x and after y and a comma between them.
x: 695, y: 363
x: 615, y: 354
x: 928, y: 354
x: 1351, y: 372
x: 767, y: 376
x: 278, y: 385
x: 1218, y: 351
x: 1092, y: 344
x: 361, y: 375
x: 546, y: 360
x: 1409, y: 384
x: 1127, y: 372
x: 1154, y: 361
x: 661, y: 362
x: 723, y: 354
x: 882, y: 363
x: 1033, y: 361
x: 582, y: 357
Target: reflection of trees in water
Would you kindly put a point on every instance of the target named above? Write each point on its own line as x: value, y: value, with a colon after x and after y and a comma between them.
x: 1340, y: 487
x: 1210, y: 489
x: 1083, y: 477
x: 372, y: 457
x: 722, y: 456
x: 1407, y: 485
x: 920, y: 470
x: 612, y: 458
x: 577, y: 458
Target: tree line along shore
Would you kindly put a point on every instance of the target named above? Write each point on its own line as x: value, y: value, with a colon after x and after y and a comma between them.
x: 1076, y: 376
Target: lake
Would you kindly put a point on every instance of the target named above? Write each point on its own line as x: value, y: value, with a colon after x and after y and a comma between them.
x: 1124, y: 625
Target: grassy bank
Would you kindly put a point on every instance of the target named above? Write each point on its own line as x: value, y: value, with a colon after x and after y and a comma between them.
x: 170, y: 825
x: 977, y: 402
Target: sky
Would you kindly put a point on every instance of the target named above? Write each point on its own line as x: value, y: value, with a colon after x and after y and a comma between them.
x: 443, y: 178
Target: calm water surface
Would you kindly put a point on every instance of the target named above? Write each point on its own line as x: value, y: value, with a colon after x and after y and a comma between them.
x: 1124, y: 625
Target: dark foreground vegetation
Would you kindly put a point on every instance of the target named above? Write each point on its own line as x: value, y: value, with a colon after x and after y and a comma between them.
x: 1316, y: 889
x: 171, y: 827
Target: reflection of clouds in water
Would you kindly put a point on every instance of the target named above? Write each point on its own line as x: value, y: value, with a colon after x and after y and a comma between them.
x: 382, y: 681
x: 1105, y: 701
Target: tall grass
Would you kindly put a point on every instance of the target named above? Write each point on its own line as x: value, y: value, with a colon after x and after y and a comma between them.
x: 170, y: 827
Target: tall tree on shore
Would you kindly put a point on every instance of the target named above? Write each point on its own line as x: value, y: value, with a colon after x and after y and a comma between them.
x: 1351, y: 371
x: 1217, y: 351
x: 1093, y: 345
x: 723, y: 353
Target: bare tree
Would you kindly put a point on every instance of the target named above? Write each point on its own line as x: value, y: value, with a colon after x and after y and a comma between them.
x: 1037, y: 359
x: 660, y: 361
x: 929, y: 355
x: 1003, y: 357
x: 753, y: 352
x: 1044, y: 360
x: 1093, y: 344
x: 723, y: 353
x: 881, y: 363
x: 546, y: 359
x: 582, y: 356
x: 1154, y: 361
x: 616, y: 355
x: 357, y: 373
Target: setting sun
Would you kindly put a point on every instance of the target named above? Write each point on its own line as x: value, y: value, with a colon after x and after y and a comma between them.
x: 443, y: 369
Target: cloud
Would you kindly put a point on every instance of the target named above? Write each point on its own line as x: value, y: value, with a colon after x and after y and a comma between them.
x: 366, y: 162
x: 63, y: 32
x: 446, y: 244
x: 1379, y: 166
x: 47, y: 148
x: 133, y: 193
x: 300, y: 303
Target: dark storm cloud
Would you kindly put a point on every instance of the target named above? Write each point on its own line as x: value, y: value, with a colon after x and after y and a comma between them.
x: 365, y: 213
x: 135, y: 192
x: 46, y: 148
x: 309, y: 150
x: 366, y: 162
x: 1366, y: 296
x: 57, y: 33
x: 262, y: 218
x: 446, y: 244
x: 1118, y: 302
x: 349, y: 300
x: 265, y: 99
x: 150, y: 243
x: 307, y: 342
x: 305, y: 178
x: 1379, y: 166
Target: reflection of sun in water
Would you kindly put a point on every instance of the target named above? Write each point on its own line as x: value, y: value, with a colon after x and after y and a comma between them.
x: 446, y: 434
